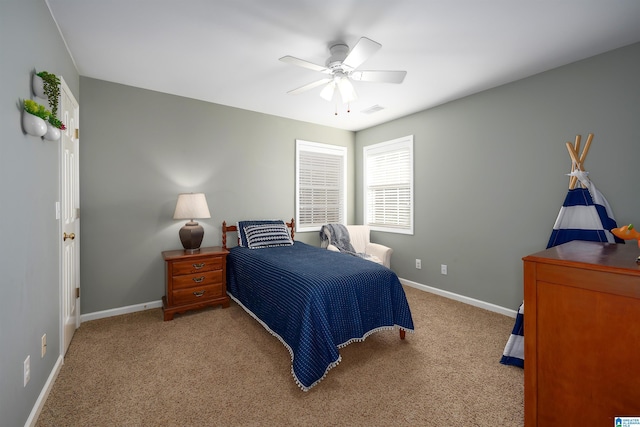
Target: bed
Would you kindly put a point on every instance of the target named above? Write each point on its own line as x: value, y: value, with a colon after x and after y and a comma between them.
x: 313, y: 300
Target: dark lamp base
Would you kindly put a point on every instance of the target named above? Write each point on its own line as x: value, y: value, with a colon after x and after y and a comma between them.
x: 191, y: 235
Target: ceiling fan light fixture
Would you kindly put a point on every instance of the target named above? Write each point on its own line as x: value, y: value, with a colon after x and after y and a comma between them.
x: 347, y: 91
x: 327, y: 91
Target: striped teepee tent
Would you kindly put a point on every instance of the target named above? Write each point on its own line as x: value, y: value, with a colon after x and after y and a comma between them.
x: 584, y: 215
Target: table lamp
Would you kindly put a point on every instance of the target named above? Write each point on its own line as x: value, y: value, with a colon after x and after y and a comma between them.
x: 191, y: 206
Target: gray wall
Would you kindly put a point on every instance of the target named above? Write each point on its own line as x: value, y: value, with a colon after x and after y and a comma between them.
x: 29, y: 41
x: 140, y: 148
x: 490, y: 171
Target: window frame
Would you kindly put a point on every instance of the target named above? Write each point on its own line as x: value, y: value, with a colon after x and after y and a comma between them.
x: 382, y: 148
x: 302, y: 147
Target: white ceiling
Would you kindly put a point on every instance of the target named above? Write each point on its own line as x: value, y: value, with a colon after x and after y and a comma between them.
x: 227, y: 52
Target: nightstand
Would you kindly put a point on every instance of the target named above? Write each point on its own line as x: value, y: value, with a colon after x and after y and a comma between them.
x: 195, y: 280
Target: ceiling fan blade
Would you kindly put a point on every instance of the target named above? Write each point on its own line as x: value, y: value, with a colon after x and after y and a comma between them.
x: 327, y: 92
x: 361, y: 52
x: 379, y: 76
x: 347, y: 92
x: 303, y: 63
x: 309, y: 86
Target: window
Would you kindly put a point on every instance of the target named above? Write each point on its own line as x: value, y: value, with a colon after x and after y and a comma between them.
x: 388, y: 185
x: 321, y: 185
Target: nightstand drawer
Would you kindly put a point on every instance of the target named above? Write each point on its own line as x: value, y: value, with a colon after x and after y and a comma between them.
x: 197, y: 266
x: 197, y: 280
x: 185, y: 296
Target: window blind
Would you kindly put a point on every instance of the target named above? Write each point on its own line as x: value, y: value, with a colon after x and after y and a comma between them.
x: 321, y: 185
x: 388, y: 169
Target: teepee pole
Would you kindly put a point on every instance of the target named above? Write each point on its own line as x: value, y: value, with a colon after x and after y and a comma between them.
x: 577, y: 163
x: 574, y: 165
x: 585, y: 150
x: 575, y: 148
x: 576, y: 144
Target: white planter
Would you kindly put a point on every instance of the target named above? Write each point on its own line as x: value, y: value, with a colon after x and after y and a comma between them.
x: 53, y: 133
x: 33, y: 125
x: 37, y: 84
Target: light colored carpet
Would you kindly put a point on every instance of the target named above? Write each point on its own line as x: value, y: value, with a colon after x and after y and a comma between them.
x: 219, y: 367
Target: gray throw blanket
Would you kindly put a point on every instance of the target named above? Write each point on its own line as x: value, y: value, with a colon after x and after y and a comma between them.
x: 338, y: 236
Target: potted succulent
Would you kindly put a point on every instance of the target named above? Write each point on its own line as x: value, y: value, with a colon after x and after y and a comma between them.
x: 47, y: 86
x: 56, y: 123
x: 33, y: 118
x: 54, y: 126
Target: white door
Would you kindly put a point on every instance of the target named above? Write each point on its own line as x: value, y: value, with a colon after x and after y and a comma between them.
x: 69, y: 218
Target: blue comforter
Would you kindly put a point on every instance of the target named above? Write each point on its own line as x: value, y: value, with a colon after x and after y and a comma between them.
x: 315, y: 301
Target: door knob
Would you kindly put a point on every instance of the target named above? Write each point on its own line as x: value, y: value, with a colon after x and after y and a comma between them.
x: 66, y: 236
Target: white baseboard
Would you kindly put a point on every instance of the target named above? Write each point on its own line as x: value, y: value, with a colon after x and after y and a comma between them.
x: 119, y: 311
x: 462, y: 298
x: 467, y: 300
x: 44, y: 393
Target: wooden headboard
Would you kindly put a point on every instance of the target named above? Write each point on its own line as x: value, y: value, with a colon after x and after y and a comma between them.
x: 230, y: 228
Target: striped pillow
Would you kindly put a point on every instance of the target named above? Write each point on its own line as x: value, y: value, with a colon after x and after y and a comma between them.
x: 267, y: 235
x: 242, y: 238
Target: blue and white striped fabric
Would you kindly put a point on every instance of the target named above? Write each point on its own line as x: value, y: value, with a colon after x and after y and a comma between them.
x: 585, y: 215
x: 315, y: 301
x: 242, y: 226
x: 514, y: 350
x: 267, y: 235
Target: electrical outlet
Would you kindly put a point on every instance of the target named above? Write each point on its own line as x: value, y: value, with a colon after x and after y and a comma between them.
x: 418, y: 264
x: 26, y: 366
x: 44, y: 346
x: 443, y: 269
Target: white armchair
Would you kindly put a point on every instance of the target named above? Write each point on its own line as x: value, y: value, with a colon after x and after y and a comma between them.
x: 359, y: 237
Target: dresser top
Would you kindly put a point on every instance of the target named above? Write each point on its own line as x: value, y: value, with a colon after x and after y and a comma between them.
x: 612, y: 257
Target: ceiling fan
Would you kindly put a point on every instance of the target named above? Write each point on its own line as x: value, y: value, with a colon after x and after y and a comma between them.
x: 341, y: 68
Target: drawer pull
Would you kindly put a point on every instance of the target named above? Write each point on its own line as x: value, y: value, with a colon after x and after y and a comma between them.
x: 199, y: 293
x: 198, y: 279
x: 199, y: 266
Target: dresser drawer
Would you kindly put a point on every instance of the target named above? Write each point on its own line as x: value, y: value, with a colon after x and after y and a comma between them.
x: 197, y: 280
x: 197, y: 266
x: 194, y: 295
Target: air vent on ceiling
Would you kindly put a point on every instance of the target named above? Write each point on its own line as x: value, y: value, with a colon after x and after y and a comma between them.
x: 373, y: 109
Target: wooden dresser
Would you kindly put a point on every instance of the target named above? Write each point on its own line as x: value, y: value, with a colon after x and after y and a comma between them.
x: 582, y: 334
x: 195, y: 280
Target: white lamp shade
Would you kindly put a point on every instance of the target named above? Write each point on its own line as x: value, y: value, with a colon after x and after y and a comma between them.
x: 191, y: 206
x: 347, y: 90
x: 327, y: 91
